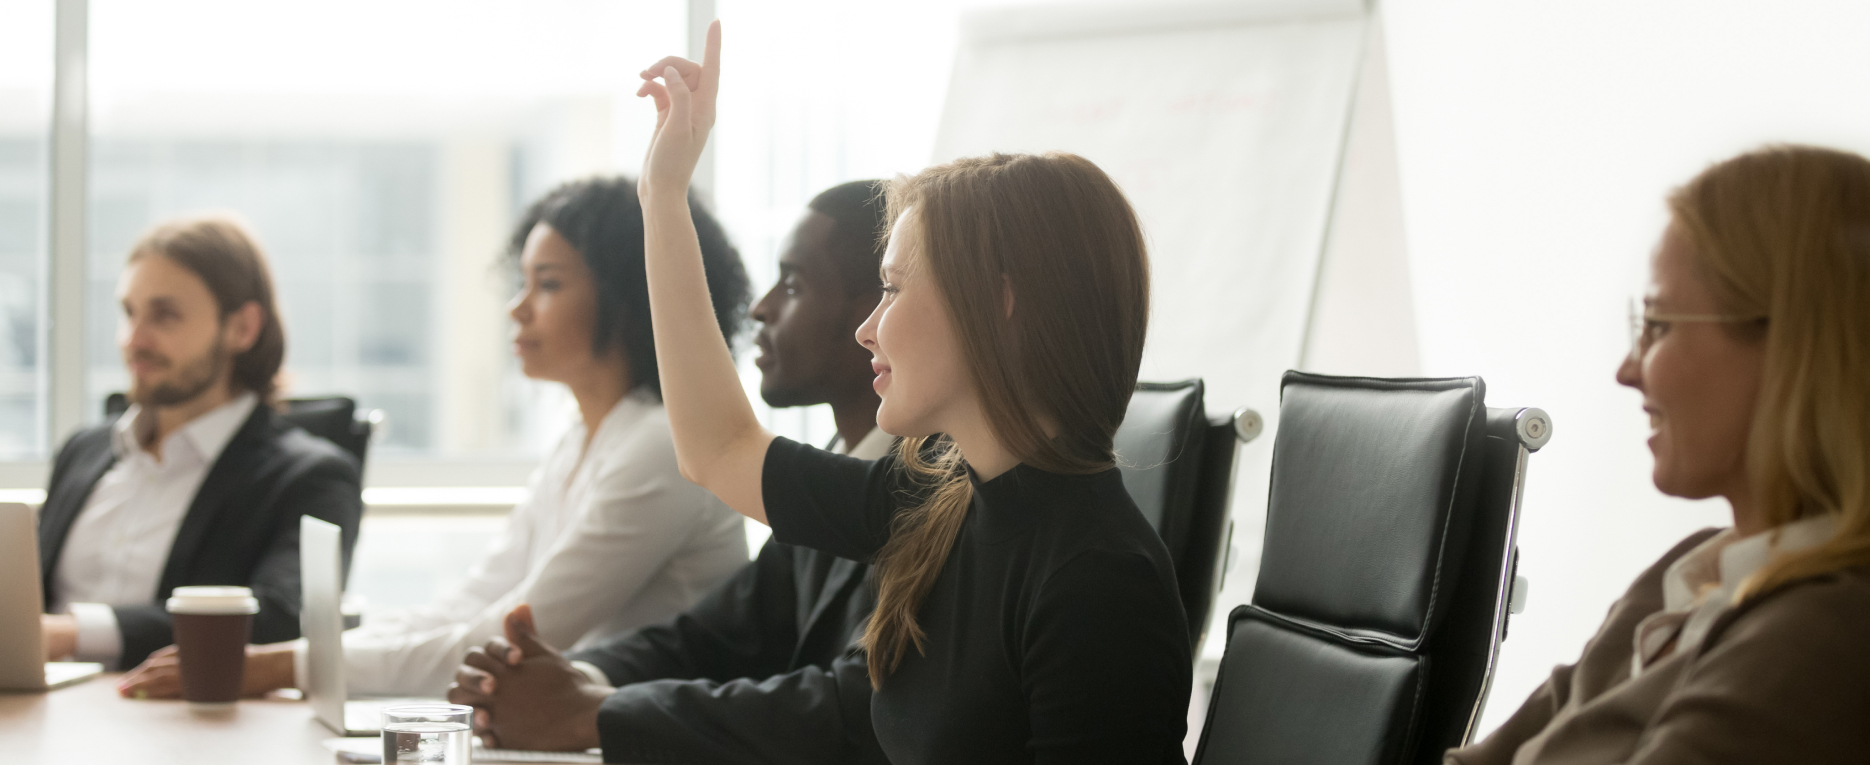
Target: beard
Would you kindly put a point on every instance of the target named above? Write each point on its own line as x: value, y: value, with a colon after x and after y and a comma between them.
x: 191, y: 378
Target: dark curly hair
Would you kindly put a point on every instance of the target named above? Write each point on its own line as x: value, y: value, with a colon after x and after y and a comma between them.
x: 602, y: 219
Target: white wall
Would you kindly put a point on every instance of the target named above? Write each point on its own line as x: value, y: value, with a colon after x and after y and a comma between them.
x: 1536, y: 142
x: 1363, y: 314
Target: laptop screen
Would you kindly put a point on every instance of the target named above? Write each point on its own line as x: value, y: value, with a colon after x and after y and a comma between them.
x: 322, y: 579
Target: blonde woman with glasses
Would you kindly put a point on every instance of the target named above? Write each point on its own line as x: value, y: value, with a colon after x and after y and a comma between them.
x: 1752, y: 352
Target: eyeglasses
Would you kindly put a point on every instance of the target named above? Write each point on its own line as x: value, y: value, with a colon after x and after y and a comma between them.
x: 1647, y: 325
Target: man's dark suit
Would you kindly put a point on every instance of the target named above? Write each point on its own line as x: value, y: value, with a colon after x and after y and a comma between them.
x: 762, y: 670
x: 242, y: 528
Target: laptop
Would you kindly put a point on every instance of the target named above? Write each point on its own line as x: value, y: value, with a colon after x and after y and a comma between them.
x: 321, y: 620
x: 22, y: 645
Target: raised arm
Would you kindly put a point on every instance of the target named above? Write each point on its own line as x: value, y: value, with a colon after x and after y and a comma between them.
x: 718, y: 442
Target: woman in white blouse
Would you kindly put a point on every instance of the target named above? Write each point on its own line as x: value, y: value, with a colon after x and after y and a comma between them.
x: 612, y: 537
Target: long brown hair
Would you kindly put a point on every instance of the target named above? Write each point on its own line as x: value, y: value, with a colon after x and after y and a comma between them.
x: 1784, y: 232
x: 1055, y: 231
x: 227, y: 260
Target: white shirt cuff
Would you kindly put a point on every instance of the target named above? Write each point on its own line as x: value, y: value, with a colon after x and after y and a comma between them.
x: 98, y: 637
x: 591, y: 672
x: 301, y: 665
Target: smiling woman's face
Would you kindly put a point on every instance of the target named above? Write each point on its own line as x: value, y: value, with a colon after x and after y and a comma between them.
x: 1700, y: 382
x: 555, y: 310
x: 921, y: 374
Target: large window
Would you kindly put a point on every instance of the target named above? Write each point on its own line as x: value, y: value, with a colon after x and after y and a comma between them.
x: 380, y: 152
x: 25, y: 122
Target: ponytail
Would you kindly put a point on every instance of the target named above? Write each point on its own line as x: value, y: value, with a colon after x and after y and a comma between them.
x: 920, y: 539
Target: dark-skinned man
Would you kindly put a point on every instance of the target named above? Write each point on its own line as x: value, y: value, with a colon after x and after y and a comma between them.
x: 764, y: 669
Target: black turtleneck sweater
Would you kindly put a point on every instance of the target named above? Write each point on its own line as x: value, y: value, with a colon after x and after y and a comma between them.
x: 1054, y: 631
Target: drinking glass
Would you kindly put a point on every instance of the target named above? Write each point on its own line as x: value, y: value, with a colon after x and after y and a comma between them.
x: 434, y: 733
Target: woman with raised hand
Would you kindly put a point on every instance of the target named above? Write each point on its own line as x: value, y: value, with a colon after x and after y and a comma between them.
x: 1744, y: 644
x: 1026, y: 611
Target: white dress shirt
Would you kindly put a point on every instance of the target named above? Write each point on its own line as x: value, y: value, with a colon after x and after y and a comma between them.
x: 610, y: 538
x: 1699, y: 587
x: 118, y: 546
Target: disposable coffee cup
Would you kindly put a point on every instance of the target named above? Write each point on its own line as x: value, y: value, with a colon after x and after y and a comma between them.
x: 212, y: 625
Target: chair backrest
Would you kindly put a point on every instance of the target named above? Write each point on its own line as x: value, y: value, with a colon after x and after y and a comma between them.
x: 333, y: 418
x: 1178, y: 465
x: 1383, y: 584
x: 1210, y: 531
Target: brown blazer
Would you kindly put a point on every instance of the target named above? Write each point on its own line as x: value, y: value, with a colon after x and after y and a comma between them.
x: 1782, y: 678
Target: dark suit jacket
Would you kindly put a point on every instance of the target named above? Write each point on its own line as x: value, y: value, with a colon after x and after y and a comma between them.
x: 764, y: 669
x: 241, y: 529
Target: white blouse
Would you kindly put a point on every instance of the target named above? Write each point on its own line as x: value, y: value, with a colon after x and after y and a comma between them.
x: 610, y: 538
x: 1699, y: 587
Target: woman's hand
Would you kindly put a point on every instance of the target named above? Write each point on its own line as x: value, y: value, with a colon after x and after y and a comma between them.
x: 719, y: 443
x: 269, y: 667
x: 684, y: 115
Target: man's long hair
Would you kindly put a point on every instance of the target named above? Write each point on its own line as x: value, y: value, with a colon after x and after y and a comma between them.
x: 224, y: 256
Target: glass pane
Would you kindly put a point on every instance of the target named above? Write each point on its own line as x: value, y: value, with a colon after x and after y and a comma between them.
x: 379, y: 152
x: 816, y: 93
x: 25, y: 126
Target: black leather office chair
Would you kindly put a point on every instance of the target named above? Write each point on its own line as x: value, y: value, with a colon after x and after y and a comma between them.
x: 333, y: 418
x: 1178, y: 464
x: 1386, y: 576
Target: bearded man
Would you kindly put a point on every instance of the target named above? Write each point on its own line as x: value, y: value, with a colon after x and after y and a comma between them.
x: 199, y: 482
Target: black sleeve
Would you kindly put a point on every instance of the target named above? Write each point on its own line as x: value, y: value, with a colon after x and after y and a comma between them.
x: 1117, y: 613
x: 743, y: 628
x: 145, y: 627
x: 326, y: 487
x: 829, y: 502
x: 810, y: 716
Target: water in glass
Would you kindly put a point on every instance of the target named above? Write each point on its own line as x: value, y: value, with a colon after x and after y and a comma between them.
x: 446, y: 743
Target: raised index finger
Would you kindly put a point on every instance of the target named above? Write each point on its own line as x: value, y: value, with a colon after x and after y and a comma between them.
x: 711, y: 63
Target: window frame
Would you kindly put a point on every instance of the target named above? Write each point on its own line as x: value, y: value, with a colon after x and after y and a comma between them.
x: 63, y: 330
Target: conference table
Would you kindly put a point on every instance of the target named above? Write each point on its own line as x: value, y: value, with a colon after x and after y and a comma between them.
x: 89, y: 723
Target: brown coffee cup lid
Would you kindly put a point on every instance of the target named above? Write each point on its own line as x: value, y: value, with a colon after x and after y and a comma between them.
x: 213, y: 600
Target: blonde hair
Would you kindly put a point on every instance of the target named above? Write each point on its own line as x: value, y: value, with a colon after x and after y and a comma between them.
x: 1057, y: 232
x: 1784, y: 232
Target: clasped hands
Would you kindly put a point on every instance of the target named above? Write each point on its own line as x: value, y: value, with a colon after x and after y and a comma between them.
x: 526, y: 694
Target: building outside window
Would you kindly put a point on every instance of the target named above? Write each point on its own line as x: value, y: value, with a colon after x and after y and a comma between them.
x: 25, y: 127
x: 380, y: 153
